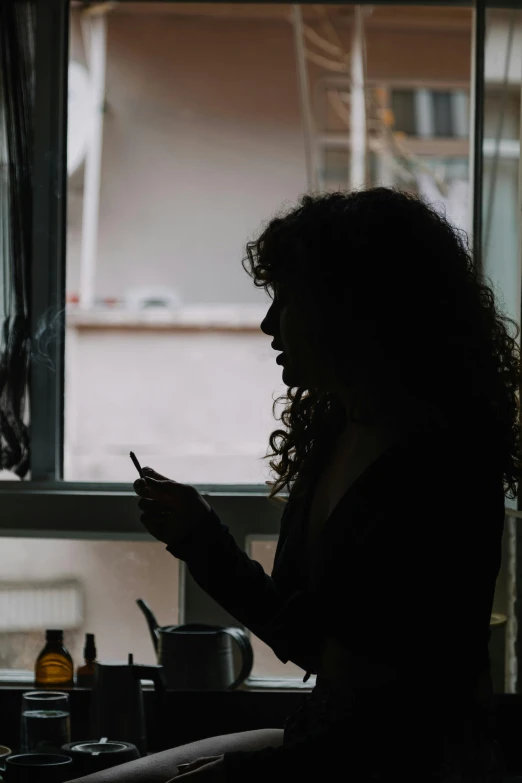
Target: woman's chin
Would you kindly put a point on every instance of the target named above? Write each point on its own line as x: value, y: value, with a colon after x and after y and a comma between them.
x: 291, y: 376
x: 294, y: 379
x: 288, y: 376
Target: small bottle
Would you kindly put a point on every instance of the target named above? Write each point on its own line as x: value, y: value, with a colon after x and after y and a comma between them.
x: 54, y: 667
x: 85, y: 674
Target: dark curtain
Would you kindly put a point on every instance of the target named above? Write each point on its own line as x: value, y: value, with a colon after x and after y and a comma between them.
x: 17, y: 76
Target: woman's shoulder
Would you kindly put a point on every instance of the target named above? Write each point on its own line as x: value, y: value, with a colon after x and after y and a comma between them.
x: 444, y: 452
x: 422, y: 496
x: 433, y: 470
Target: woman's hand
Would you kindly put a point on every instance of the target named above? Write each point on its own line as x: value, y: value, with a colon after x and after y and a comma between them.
x: 205, y: 770
x: 171, y: 511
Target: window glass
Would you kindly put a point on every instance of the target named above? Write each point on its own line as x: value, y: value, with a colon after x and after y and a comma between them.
x: 200, y: 139
x: 403, y: 107
x: 185, y: 134
x: 266, y: 664
x: 336, y: 167
x: 501, y: 204
x: 83, y: 587
x: 501, y: 234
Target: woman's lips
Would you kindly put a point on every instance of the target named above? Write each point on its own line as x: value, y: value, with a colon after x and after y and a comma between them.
x: 280, y: 359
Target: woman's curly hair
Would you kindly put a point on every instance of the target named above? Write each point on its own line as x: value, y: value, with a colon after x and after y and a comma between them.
x: 391, y: 292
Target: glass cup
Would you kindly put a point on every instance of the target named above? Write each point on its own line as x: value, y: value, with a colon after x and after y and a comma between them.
x: 45, y: 725
x: 38, y: 768
x: 4, y: 753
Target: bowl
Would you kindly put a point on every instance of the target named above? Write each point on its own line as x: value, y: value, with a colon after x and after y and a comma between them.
x: 94, y: 755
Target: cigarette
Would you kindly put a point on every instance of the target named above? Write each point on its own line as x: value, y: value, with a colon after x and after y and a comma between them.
x: 136, y: 464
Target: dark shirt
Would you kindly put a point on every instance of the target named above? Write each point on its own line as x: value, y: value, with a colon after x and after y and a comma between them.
x: 403, y: 580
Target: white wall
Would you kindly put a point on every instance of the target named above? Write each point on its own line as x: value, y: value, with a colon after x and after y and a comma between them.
x: 195, y: 406
x: 202, y: 141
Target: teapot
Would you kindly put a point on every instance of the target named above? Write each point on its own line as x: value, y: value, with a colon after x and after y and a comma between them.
x: 197, y: 656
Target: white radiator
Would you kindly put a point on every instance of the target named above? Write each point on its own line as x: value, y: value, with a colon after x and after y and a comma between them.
x: 36, y: 606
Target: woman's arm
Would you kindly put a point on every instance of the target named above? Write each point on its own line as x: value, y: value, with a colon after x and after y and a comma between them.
x: 241, y: 586
x: 259, y: 766
x: 180, y: 517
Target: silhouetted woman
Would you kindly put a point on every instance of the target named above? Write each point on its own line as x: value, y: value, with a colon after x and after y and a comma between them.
x: 401, y: 438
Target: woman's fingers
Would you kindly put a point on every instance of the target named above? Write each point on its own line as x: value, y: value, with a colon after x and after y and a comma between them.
x: 152, y: 505
x: 183, y: 768
x: 164, y: 490
x: 156, y: 526
x: 210, y: 772
x: 140, y: 488
x: 171, y: 511
x: 152, y: 488
x: 154, y: 513
x: 154, y: 518
x: 140, y: 485
x: 154, y: 474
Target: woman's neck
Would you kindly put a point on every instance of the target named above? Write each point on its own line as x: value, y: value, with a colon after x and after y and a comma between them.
x: 358, y: 431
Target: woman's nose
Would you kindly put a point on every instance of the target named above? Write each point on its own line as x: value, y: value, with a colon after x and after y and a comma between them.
x: 269, y: 322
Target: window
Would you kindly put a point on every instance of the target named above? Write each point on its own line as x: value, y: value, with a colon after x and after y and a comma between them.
x: 181, y: 175
x: 417, y: 140
x: 176, y: 154
x: 336, y: 162
x: 425, y: 147
x: 266, y: 665
x: 415, y: 118
x: 83, y: 587
x: 428, y: 113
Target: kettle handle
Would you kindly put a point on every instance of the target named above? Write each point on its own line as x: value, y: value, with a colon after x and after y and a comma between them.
x: 141, y: 671
x: 157, y: 675
x: 247, y: 654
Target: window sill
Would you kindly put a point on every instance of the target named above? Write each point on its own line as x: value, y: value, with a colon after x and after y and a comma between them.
x: 278, y: 684
x: 109, y: 511
x: 233, y: 318
x: 24, y: 678
x: 16, y: 677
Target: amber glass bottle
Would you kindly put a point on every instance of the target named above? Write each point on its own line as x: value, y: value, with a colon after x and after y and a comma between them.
x: 85, y: 674
x: 54, y: 667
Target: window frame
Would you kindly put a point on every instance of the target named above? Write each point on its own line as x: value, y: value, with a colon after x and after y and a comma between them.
x: 47, y: 506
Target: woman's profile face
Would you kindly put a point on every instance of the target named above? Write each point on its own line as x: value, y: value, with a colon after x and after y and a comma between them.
x: 301, y: 358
